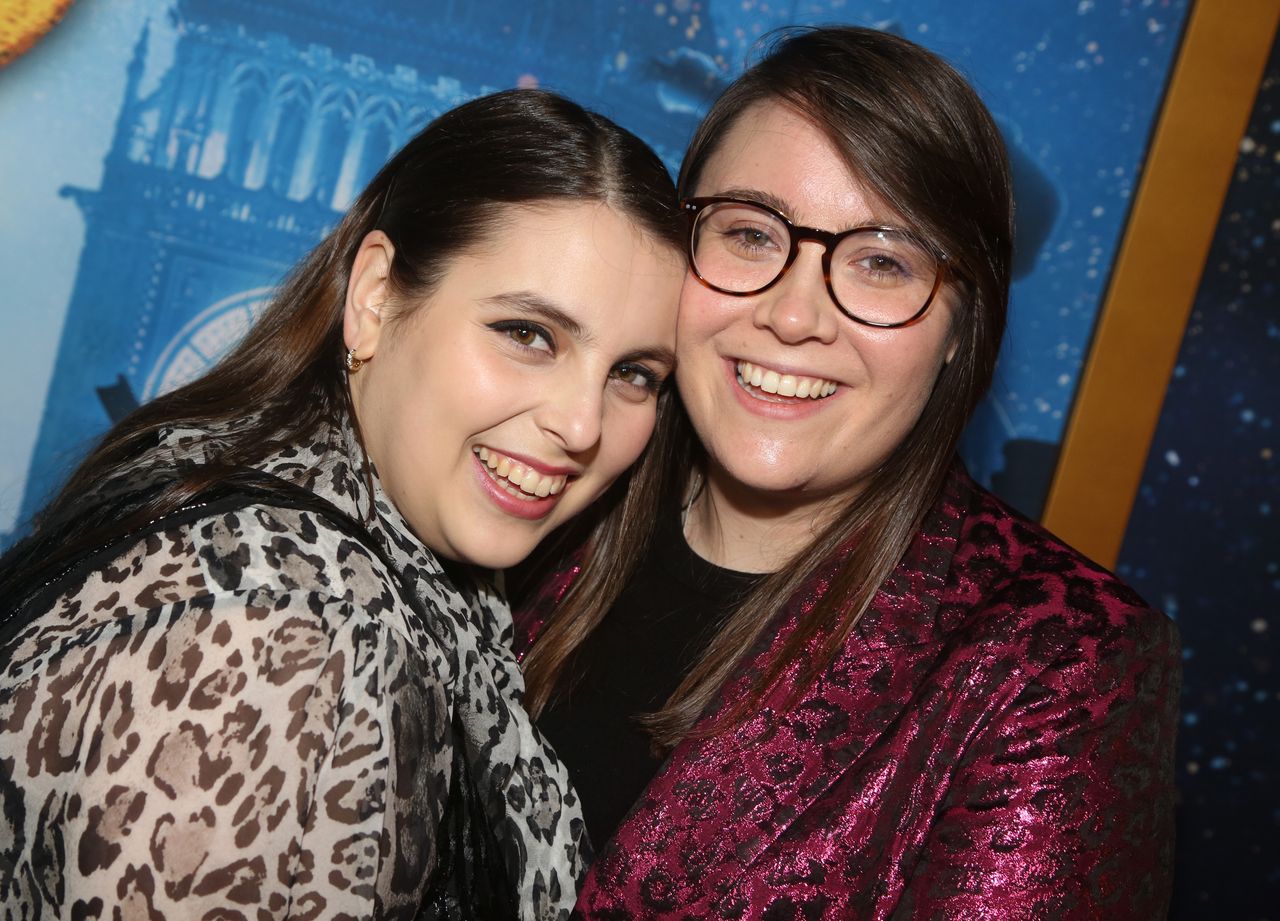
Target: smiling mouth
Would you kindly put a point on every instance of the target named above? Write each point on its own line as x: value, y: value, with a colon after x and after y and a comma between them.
x: 520, y: 480
x: 764, y: 383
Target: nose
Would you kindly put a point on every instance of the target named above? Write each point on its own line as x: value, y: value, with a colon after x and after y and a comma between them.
x: 799, y: 308
x: 572, y: 413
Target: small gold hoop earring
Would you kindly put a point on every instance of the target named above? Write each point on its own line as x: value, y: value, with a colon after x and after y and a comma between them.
x: 353, y: 364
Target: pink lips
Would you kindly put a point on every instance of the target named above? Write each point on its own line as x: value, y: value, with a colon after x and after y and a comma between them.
x: 531, y: 509
x: 775, y: 407
x: 544, y: 469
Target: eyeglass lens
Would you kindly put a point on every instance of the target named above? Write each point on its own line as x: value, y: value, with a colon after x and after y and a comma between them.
x: 881, y: 276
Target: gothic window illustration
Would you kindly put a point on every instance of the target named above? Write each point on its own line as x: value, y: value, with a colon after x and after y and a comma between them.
x: 335, y: 118
x: 292, y: 109
x: 378, y: 140
x: 249, y: 90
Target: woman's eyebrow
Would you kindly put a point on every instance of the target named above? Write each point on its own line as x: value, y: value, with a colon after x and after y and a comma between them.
x: 533, y: 304
x: 760, y: 197
x: 777, y: 204
x: 658, y: 354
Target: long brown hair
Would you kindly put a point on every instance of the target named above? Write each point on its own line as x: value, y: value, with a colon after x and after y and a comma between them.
x: 913, y: 131
x: 434, y: 199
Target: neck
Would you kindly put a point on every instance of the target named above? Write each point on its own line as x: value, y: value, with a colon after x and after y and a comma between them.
x: 747, y: 530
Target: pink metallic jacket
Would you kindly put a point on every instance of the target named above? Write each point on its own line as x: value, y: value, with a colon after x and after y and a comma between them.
x: 994, y: 742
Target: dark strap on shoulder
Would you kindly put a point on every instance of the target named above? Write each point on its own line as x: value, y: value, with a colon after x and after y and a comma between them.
x: 240, y: 490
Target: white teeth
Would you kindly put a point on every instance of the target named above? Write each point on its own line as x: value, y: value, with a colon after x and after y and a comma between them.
x: 519, y: 480
x: 784, y: 385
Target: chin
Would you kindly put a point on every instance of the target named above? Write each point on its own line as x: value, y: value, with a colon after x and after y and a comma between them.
x: 486, y: 552
x: 767, y: 481
x: 491, y: 559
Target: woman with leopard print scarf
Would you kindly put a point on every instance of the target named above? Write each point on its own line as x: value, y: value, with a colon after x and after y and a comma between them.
x: 250, y: 663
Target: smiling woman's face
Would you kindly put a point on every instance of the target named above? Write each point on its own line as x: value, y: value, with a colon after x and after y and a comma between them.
x: 524, y: 385
x: 783, y: 453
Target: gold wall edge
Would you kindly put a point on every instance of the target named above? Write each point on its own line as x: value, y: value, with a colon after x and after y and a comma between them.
x: 1157, y: 272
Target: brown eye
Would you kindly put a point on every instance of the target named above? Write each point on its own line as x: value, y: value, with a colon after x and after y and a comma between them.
x: 639, y: 377
x: 525, y: 335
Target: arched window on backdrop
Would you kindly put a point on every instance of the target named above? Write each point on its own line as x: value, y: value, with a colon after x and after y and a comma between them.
x: 292, y: 111
x: 249, y: 92
x: 336, y: 113
x: 379, y: 140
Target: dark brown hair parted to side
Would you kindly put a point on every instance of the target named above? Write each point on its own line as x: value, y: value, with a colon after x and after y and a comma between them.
x: 914, y: 133
x: 435, y: 199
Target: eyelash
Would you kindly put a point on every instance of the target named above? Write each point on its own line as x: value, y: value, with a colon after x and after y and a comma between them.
x: 653, y: 380
x: 510, y: 327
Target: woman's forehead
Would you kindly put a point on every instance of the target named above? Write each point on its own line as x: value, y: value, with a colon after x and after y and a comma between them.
x: 778, y: 156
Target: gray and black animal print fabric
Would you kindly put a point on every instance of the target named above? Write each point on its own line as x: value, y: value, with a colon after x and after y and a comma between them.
x: 242, y: 718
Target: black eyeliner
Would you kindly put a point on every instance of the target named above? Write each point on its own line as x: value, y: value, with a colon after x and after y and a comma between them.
x: 508, y: 326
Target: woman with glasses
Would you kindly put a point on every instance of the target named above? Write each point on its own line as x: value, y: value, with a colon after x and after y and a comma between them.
x: 251, y: 663
x: 843, y: 680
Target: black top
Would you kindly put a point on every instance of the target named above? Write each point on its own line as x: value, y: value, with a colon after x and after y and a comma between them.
x: 629, y: 665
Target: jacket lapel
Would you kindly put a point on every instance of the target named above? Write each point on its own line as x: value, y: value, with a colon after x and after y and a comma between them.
x: 719, y: 803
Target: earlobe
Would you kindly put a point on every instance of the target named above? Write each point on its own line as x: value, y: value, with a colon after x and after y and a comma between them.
x: 952, y: 347
x: 954, y: 338
x: 368, y: 289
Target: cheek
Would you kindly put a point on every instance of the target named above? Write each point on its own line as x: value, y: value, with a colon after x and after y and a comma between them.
x: 428, y: 403
x: 625, y: 435
x: 701, y: 315
x: 470, y: 385
x: 899, y: 374
x: 905, y: 361
x: 906, y: 386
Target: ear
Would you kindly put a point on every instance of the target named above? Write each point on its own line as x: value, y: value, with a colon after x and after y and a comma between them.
x: 955, y: 316
x: 368, y: 290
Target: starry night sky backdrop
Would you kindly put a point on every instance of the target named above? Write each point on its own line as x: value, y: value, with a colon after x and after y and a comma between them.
x: 1204, y: 545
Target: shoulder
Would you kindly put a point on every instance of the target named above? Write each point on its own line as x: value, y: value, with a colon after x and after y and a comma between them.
x: 261, y: 607
x: 247, y: 570
x: 1013, y: 582
x: 253, y: 535
x: 284, y: 549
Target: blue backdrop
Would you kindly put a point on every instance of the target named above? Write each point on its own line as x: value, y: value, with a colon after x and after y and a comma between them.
x: 162, y: 163
x: 227, y: 136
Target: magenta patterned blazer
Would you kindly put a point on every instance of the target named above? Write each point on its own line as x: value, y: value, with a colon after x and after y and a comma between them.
x: 995, y: 742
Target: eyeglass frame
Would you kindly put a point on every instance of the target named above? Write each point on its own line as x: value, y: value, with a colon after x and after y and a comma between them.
x: 829, y: 240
